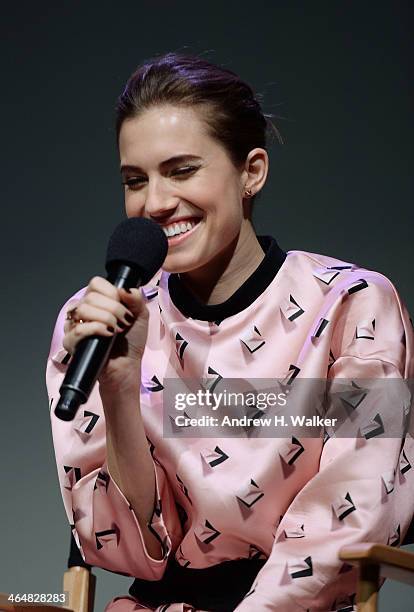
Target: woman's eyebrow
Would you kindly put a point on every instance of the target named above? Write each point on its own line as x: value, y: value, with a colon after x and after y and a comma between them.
x: 164, y: 164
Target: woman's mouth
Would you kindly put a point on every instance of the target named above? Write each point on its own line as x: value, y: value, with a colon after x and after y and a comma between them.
x: 181, y: 230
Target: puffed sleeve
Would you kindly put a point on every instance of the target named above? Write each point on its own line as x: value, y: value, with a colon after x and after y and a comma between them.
x: 364, y: 489
x: 103, y: 523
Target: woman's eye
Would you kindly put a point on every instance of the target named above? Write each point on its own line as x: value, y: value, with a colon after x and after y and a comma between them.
x: 184, y: 170
x: 135, y: 181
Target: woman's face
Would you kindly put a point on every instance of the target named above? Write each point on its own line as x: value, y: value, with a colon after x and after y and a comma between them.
x: 175, y: 173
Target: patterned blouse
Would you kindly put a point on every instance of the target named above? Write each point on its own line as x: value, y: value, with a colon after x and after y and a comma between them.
x: 292, y: 500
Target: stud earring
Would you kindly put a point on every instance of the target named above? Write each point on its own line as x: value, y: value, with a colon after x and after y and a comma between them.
x: 248, y: 193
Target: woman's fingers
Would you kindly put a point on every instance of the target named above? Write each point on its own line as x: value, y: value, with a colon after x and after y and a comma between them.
x: 134, y: 301
x: 82, y: 330
x: 103, y: 286
x: 94, y: 302
x: 68, y: 323
x: 100, y: 311
x: 104, y: 310
x: 88, y: 312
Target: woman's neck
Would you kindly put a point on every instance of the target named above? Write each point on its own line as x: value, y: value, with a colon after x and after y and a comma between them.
x: 215, y: 283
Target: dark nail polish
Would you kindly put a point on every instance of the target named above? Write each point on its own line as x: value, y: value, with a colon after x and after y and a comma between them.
x: 122, y: 325
x: 129, y: 318
x: 110, y: 328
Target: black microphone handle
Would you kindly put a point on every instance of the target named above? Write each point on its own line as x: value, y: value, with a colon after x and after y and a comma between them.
x: 91, y: 354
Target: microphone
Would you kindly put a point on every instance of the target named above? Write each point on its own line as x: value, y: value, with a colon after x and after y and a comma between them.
x: 136, y: 251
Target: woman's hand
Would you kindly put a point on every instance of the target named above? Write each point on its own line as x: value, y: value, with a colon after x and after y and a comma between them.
x: 104, y: 314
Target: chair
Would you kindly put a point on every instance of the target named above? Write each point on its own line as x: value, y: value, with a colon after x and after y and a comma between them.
x: 375, y: 561
x: 78, y: 581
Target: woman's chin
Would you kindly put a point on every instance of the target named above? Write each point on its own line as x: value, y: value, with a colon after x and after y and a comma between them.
x: 178, y: 264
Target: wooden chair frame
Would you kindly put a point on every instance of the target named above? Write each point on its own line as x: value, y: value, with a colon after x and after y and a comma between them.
x: 375, y: 562
x: 78, y: 582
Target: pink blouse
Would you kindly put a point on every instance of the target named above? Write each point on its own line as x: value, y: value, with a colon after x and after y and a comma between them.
x: 293, y: 501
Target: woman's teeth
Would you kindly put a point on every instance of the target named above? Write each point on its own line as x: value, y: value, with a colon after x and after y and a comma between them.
x: 179, y: 228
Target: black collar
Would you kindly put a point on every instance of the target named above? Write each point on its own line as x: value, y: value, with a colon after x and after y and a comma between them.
x: 245, y: 295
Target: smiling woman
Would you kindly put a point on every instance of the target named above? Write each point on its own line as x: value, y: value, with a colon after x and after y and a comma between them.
x: 209, y: 193
x: 246, y: 522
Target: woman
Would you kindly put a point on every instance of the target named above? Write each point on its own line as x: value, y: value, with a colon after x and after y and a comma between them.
x: 230, y: 523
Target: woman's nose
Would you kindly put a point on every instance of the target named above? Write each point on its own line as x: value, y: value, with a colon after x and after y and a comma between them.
x: 159, y: 199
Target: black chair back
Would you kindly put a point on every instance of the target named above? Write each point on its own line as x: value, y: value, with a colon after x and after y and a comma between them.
x: 409, y: 536
x: 75, y: 558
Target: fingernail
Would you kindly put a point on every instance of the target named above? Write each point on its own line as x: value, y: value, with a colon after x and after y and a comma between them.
x: 129, y: 318
x: 111, y: 329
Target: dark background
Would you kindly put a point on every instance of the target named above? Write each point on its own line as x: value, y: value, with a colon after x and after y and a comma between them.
x: 339, y: 77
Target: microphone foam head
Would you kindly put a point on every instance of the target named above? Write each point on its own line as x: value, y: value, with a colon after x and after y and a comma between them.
x: 138, y: 242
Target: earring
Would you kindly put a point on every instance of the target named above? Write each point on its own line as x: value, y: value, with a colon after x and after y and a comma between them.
x: 248, y: 193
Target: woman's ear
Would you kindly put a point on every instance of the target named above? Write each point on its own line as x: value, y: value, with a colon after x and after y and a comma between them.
x: 255, y: 172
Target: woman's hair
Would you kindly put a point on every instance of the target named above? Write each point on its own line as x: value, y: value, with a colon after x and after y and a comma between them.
x: 230, y: 109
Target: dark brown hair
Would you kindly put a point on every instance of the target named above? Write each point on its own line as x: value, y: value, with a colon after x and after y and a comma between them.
x: 231, y: 111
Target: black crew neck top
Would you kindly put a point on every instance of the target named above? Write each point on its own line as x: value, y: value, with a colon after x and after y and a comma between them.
x: 245, y: 295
